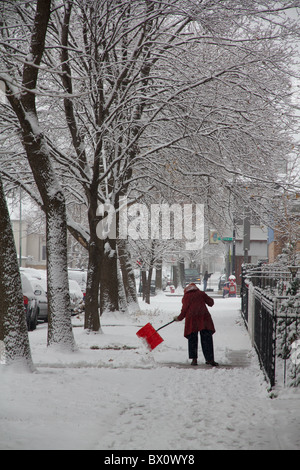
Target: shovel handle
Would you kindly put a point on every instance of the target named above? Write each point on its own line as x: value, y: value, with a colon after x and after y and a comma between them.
x: 165, y: 325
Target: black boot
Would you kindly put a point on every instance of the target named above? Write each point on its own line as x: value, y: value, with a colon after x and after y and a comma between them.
x: 212, y: 363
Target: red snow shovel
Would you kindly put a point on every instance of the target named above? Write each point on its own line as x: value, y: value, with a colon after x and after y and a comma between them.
x: 150, y: 335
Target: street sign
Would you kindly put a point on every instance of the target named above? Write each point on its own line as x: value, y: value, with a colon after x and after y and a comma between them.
x: 213, y: 237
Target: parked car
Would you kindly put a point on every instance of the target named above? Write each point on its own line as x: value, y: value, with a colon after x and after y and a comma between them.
x: 152, y: 288
x: 39, y: 290
x: 80, y: 277
x: 76, y: 297
x: 192, y: 275
x: 34, y: 273
x: 38, y: 281
x: 30, y: 303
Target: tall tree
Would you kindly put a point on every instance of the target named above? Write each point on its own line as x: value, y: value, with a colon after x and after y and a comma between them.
x: 21, y: 94
x: 13, y: 326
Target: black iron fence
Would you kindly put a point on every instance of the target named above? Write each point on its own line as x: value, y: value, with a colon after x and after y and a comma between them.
x: 273, y: 322
x: 265, y: 333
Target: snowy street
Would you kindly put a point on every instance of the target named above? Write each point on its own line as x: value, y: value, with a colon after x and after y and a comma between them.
x: 115, y: 395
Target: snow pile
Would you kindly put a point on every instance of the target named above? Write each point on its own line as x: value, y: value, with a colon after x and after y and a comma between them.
x: 114, y: 394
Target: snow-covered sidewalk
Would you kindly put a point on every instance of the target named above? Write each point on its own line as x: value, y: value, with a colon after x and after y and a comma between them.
x: 114, y: 394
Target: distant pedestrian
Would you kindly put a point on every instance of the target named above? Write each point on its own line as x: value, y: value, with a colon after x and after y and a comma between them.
x: 198, y: 319
x: 205, y: 279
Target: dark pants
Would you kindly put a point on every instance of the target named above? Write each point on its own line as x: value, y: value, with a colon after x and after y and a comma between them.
x: 206, y: 344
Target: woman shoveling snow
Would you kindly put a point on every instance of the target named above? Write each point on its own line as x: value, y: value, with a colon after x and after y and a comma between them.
x: 198, y: 319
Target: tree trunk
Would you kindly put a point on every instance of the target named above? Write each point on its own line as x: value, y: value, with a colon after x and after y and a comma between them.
x: 181, y: 273
x: 149, y: 278
x: 92, y: 318
x: 59, y: 318
x: 148, y: 286
x: 109, y: 288
x: 13, y: 326
x: 60, y: 326
x: 144, y: 283
x: 127, y: 276
x: 123, y: 306
x: 158, y: 277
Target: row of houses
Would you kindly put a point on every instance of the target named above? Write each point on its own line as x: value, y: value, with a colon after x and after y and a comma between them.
x: 253, y: 242
x: 31, y: 246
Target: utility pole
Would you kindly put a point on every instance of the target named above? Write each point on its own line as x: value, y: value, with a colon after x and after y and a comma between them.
x: 233, y: 251
x: 20, y: 229
x: 246, y: 236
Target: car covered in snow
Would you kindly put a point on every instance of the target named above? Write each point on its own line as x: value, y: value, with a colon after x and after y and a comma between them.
x: 80, y: 276
x: 76, y: 297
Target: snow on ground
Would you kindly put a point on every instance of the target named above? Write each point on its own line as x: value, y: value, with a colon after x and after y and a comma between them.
x: 113, y: 394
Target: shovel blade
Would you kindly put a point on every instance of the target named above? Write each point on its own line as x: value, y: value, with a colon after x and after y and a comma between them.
x: 150, y: 336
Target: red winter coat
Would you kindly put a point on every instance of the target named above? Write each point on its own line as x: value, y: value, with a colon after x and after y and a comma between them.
x: 195, y: 312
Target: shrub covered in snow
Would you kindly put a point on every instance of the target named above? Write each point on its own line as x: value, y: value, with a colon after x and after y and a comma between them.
x: 288, y: 333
